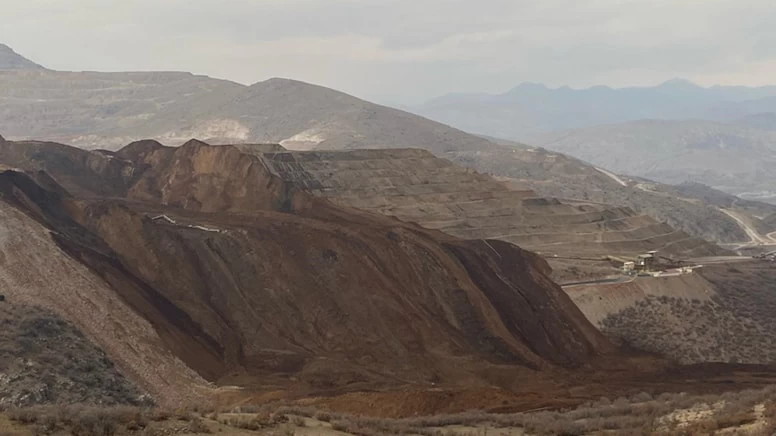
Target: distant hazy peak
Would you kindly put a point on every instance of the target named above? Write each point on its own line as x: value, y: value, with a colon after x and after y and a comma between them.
x: 10, y: 60
x: 532, y: 86
x: 679, y: 81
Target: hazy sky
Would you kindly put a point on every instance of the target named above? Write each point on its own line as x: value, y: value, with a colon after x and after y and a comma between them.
x: 406, y: 50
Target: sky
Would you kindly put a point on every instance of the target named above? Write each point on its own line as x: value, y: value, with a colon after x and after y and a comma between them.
x: 406, y: 51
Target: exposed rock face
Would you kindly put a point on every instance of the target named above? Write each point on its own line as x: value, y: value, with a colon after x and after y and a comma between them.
x: 243, y: 275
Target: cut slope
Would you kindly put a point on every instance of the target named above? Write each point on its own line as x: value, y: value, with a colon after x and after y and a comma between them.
x: 250, y: 282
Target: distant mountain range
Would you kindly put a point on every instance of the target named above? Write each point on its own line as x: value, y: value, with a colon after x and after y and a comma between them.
x: 722, y: 136
x: 730, y: 157
x: 532, y: 109
x: 107, y: 110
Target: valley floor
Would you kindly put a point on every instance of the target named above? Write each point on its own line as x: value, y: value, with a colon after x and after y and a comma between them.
x: 750, y: 413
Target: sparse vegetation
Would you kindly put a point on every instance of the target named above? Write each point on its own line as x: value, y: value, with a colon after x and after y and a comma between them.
x: 642, y: 414
x: 735, y: 326
x: 48, y: 360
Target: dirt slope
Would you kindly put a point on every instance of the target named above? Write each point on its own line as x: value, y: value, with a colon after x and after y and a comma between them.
x: 246, y: 280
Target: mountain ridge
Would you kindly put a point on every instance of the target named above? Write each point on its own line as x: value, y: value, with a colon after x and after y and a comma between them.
x: 10, y: 60
x: 108, y: 110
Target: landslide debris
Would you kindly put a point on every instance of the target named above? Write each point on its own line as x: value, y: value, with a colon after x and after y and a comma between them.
x: 252, y: 282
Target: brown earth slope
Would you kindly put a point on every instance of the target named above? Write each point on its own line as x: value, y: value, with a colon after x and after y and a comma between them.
x: 249, y: 281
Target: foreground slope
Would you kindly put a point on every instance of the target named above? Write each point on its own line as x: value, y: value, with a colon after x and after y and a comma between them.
x: 246, y: 279
x: 37, y: 276
x: 48, y: 360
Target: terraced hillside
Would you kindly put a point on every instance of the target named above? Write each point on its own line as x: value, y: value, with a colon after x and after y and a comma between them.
x: 414, y: 185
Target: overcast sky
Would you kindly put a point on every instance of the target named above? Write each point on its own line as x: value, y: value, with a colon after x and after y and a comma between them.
x: 402, y: 51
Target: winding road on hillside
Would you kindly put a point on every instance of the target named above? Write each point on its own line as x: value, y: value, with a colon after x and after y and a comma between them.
x: 755, y: 237
x: 613, y: 176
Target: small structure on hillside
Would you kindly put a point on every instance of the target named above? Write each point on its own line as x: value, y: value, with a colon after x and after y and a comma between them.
x: 645, y: 262
x: 163, y: 218
x: 628, y: 267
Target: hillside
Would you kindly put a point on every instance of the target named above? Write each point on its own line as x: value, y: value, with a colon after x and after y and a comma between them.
x: 553, y: 174
x: 731, y: 158
x: 10, y: 60
x: 44, y: 359
x: 107, y: 110
x: 721, y: 313
x: 250, y: 282
x: 416, y: 186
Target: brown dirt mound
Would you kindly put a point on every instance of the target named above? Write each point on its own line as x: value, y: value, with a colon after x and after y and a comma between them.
x: 250, y: 282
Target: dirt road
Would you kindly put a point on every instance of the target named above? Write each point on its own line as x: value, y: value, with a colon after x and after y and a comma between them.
x: 755, y: 237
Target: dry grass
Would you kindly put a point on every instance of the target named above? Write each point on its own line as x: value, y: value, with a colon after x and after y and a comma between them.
x: 643, y: 414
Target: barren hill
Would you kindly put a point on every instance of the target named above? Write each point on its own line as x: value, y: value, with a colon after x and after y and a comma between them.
x: 107, y: 110
x: 692, y: 207
x: 10, y: 60
x: 244, y: 278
